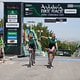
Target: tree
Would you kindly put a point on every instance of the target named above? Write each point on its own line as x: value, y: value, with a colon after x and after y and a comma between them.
x: 24, y: 26
x: 67, y: 46
x: 45, y: 32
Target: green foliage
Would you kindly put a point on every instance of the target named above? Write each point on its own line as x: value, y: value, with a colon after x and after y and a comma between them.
x: 44, y: 43
x: 1, y: 23
x: 45, y: 32
x: 67, y: 46
x: 24, y: 26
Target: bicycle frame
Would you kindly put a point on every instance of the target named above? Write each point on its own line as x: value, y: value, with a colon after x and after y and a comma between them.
x: 30, y: 57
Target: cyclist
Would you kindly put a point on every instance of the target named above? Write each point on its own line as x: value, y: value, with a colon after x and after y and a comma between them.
x: 32, y: 46
x: 51, y: 49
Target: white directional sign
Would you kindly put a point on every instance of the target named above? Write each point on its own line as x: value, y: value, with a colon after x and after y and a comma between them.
x: 12, y: 16
x: 12, y: 20
x: 70, y: 11
x: 12, y: 25
x: 11, y: 41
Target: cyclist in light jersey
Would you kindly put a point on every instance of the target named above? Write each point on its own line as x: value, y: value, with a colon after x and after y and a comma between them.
x: 51, y: 48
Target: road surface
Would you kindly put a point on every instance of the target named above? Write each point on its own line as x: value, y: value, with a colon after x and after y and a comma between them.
x: 65, y: 68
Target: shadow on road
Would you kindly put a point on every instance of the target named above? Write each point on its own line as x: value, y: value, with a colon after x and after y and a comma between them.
x: 27, y: 65
x: 48, y: 66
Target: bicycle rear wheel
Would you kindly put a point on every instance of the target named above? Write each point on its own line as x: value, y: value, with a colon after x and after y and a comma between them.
x: 30, y: 60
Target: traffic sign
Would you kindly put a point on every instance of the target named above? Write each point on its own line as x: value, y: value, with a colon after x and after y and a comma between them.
x: 50, y: 20
x: 12, y: 27
x: 13, y: 16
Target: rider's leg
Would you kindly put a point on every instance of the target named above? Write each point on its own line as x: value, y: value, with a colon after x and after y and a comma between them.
x: 53, y: 54
x: 51, y: 58
x: 48, y: 58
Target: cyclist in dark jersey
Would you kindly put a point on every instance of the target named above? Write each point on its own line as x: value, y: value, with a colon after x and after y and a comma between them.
x: 31, y: 44
x: 51, y: 48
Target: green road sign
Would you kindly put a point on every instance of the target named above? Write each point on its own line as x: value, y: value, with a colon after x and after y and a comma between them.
x: 12, y: 12
x: 12, y: 33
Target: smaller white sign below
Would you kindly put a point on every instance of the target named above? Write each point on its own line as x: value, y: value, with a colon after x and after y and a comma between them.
x: 70, y: 11
x: 12, y: 20
x: 12, y: 16
x: 70, y: 5
x: 26, y: 9
x: 11, y: 41
x: 12, y: 25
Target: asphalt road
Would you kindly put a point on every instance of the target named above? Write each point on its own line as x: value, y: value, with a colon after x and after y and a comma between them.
x: 65, y: 68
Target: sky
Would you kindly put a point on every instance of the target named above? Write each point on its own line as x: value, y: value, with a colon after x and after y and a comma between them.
x: 69, y: 30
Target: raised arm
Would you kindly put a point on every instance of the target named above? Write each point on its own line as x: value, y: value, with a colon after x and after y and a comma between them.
x: 44, y: 37
x: 56, y: 45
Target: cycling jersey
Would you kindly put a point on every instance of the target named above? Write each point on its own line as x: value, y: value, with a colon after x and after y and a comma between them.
x: 32, y: 44
x: 52, y: 42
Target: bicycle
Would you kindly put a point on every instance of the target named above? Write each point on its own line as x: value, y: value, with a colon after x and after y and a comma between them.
x: 51, y: 54
x: 31, y: 59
